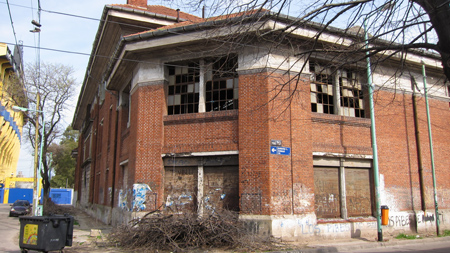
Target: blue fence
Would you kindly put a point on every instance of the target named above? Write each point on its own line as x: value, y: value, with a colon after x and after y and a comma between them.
x: 58, y: 196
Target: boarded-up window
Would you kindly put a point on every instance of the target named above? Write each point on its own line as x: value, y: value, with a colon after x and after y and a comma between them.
x: 180, y: 188
x: 221, y: 187
x: 357, y: 188
x: 342, y: 187
x: 327, y: 197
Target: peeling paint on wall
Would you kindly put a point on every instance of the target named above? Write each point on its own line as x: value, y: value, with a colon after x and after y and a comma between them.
x: 139, y: 193
x: 304, y: 196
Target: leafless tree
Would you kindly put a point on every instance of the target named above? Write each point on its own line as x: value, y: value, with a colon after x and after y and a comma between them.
x: 55, y: 86
x: 396, y: 27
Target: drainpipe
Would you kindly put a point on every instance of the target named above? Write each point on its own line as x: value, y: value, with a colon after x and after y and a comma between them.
x: 115, y: 159
x: 419, y: 150
x: 431, y: 149
x: 373, y: 136
x: 291, y: 140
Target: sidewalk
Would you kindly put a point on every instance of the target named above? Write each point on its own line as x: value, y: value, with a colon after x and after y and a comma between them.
x: 345, y: 245
x: 90, y: 236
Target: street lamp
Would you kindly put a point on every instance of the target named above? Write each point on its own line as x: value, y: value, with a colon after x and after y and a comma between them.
x: 37, y: 209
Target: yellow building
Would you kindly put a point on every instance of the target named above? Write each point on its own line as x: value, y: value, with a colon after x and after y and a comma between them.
x: 11, y: 93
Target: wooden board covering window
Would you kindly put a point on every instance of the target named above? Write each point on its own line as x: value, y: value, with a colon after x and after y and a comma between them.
x: 180, y: 188
x: 357, y: 188
x: 326, y: 192
x: 221, y: 187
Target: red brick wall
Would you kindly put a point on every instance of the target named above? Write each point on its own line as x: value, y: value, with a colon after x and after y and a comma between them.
x: 340, y: 134
x: 398, y: 156
x: 201, y: 132
x: 302, y: 147
x: 285, y: 184
x: 254, y: 182
x: 280, y: 128
x: 147, y: 133
x: 275, y: 184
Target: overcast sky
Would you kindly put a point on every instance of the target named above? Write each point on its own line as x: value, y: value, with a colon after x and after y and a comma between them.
x: 63, y: 29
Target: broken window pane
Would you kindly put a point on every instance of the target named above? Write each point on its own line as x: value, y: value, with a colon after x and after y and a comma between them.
x: 183, y: 92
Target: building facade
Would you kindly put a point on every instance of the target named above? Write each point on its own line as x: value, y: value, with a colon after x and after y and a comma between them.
x: 180, y: 118
x: 11, y: 123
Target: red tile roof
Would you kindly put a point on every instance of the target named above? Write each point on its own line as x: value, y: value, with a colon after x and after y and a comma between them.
x: 158, y: 9
x: 201, y: 20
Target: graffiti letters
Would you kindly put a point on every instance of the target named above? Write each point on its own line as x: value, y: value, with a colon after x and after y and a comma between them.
x: 399, y: 221
x: 309, y: 227
x: 423, y: 218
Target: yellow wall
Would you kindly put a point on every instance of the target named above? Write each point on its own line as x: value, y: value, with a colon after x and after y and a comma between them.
x: 11, y: 123
x: 10, y: 182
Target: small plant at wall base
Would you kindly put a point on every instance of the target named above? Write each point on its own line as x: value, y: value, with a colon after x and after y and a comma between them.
x: 446, y: 233
x: 409, y: 237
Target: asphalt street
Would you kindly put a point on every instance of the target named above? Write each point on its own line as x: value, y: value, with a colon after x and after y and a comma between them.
x: 9, y: 230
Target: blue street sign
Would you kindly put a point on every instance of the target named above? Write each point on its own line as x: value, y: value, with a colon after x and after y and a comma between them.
x: 280, y: 150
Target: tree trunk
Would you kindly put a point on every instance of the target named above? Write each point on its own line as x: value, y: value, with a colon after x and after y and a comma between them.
x: 45, y: 182
x: 439, y: 13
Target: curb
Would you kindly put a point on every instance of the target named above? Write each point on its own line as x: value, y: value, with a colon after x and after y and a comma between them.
x: 359, y: 245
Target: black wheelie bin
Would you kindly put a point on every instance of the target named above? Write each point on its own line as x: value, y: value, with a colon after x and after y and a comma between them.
x: 45, y: 233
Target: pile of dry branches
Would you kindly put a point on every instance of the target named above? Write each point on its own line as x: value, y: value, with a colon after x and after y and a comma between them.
x: 52, y: 208
x: 185, y: 232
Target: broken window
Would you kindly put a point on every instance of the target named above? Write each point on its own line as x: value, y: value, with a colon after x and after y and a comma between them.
x: 204, y: 85
x: 347, y: 99
x: 222, y: 85
x: 352, y: 103
x: 183, y: 93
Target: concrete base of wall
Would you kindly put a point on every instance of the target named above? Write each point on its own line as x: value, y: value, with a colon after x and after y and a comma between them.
x: 307, y: 227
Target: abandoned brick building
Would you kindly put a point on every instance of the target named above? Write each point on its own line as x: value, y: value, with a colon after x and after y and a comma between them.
x: 171, y: 116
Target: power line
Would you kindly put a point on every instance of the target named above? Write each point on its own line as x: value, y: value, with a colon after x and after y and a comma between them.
x: 55, y: 50
x: 14, y: 31
x: 54, y: 12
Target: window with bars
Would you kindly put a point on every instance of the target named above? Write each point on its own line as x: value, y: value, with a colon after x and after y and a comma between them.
x: 183, y: 92
x: 346, y: 100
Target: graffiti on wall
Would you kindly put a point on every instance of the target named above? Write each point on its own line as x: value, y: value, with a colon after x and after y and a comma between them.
x: 400, y: 220
x: 327, y: 205
x: 309, y: 226
x: 139, y: 196
x: 424, y: 218
x: 123, y: 199
x: 405, y: 220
